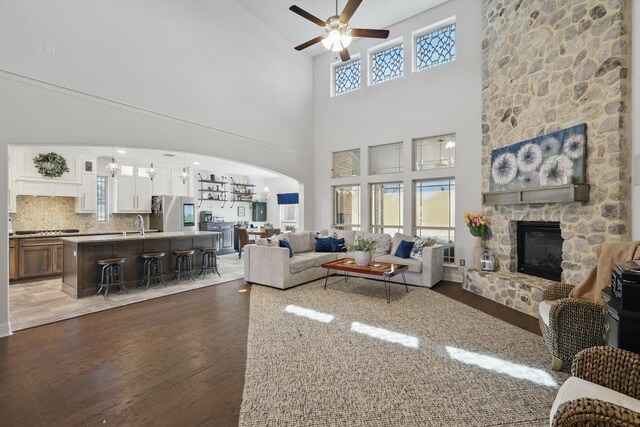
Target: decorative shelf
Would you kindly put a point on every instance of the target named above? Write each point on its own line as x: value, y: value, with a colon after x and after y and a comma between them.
x: 211, y: 191
x: 213, y: 182
x: 244, y: 185
x: 241, y: 193
x: 568, y: 193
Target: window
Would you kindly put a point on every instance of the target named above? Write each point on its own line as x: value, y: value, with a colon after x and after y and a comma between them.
x: 386, y: 208
x: 126, y: 170
x: 346, y: 163
x: 387, y: 63
x: 346, y: 207
x: 434, y: 152
x: 385, y: 158
x: 102, y: 203
x: 435, y: 213
x: 289, y: 216
x: 346, y: 77
x: 143, y: 172
x: 435, y: 47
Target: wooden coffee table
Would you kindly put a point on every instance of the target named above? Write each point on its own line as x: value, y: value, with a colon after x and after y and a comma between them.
x: 376, y: 268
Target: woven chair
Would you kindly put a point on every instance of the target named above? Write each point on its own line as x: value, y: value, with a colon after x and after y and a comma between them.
x: 573, y: 325
x: 617, y: 370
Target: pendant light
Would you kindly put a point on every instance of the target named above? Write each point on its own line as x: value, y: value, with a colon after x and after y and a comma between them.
x: 184, y: 175
x: 113, y: 167
x: 151, y: 171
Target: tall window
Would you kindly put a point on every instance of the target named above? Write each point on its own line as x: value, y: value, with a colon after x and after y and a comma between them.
x: 385, y: 158
x: 435, y: 213
x: 435, y: 47
x: 386, y: 208
x: 346, y: 207
x: 434, y: 152
x: 387, y: 63
x: 346, y: 77
x: 346, y: 163
x: 102, y: 203
x: 289, y: 216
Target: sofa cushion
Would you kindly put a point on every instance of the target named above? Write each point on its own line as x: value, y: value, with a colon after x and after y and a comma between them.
x: 414, y: 265
x: 348, y: 235
x: 324, y: 244
x: 544, y: 308
x: 285, y: 244
x: 300, y: 263
x: 397, y: 238
x: 419, y: 244
x: 321, y: 258
x: 383, y: 241
x: 301, y: 242
x: 576, y: 388
x: 404, y: 249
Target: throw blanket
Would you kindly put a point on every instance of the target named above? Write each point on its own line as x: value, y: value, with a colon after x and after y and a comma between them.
x: 599, y: 277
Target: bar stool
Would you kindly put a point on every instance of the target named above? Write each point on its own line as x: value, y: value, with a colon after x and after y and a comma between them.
x: 183, y: 264
x: 152, y: 268
x: 111, y: 275
x: 209, y: 262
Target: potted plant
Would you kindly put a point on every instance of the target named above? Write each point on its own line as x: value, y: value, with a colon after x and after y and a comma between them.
x: 363, y: 249
x: 478, y: 227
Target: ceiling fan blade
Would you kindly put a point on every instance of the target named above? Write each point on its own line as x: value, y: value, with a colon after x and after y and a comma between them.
x: 344, y: 55
x: 348, y: 10
x: 375, y: 34
x: 309, y: 43
x: 319, y: 22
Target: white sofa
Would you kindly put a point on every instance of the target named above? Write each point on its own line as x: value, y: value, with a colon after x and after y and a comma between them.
x: 272, y: 266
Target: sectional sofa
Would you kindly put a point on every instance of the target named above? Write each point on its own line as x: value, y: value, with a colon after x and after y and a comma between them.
x: 270, y: 265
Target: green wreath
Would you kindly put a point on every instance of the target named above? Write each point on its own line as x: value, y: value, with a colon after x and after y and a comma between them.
x: 51, y: 165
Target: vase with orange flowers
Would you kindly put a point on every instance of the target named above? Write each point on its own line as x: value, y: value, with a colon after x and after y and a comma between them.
x: 477, y: 225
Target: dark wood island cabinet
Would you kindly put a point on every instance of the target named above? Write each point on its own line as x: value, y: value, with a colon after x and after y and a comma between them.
x: 81, y: 274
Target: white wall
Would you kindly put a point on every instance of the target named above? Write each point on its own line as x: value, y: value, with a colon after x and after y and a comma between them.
x: 197, y: 76
x: 445, y: 99
x: 634, y: 123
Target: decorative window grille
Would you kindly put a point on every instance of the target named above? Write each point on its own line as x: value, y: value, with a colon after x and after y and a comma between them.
x: 436, y: 47
x: 102, y: 205
x: 347, y: 77
x: 387, y: 64
x: 435, y: 207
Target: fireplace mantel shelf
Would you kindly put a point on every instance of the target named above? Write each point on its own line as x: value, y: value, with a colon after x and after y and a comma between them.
x: 567, y: 193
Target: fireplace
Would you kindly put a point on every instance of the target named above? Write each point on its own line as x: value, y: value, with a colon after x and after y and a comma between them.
x: 540, y: 249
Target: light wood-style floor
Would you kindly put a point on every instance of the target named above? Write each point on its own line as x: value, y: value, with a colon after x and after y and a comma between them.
x: 176, y: 360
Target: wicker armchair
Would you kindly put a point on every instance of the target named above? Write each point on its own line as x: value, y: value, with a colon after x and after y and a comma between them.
x: 615, y: 369
x: 573, y: 325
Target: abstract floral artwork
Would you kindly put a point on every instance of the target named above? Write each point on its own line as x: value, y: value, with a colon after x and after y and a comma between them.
x: 553, y: 159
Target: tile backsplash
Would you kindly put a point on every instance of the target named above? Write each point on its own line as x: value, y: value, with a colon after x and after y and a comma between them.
x: 55, y: 213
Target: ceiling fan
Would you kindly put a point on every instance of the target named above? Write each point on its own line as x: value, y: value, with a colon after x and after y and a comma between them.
x: 338, y: 35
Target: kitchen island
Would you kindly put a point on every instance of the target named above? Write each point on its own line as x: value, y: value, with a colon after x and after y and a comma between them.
x: 80, y: 272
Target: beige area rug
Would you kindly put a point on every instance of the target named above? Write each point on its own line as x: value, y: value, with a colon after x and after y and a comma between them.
x: 344, y: 357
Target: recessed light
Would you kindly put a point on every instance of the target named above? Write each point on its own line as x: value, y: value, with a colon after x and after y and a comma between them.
x: 121, y: 151
x: 196, y: 163
x: 242, y: 290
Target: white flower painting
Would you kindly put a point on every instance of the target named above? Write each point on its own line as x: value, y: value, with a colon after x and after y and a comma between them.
x: 553, y: 159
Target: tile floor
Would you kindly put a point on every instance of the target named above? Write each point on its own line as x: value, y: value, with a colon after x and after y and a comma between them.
x: 37, y: 303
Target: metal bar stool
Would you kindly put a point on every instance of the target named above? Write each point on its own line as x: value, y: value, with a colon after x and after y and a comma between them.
x: 111, y: 275
x: 209, y: 262
x: 183, y: 264
x: 152, y: 268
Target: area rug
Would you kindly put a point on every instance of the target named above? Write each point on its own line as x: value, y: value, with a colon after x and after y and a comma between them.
x: 345, y: 357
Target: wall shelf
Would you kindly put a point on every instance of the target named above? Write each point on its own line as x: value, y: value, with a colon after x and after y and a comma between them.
x: 568, y: 193
x: 208, y: 181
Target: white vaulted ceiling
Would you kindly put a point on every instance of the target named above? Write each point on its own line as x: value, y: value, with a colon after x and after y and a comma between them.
x: 371, y: 14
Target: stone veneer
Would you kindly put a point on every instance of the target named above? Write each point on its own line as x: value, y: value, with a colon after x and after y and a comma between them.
x: 550, y: 65
x: 55, y: 213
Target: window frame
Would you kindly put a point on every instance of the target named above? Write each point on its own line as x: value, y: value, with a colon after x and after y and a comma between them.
x: 398, y: 41
x: 333, y: 163
x: 295, y: 223
x: 401, y: 155
x: 414, y: 156
x: 373, y: 227
x: 346, y: 226
x: 448, y: 252
x: 426, y: 30
x: 332, y: 72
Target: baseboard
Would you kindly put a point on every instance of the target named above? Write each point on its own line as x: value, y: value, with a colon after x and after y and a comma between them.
x: 452, y: 274
x: 5, y: 329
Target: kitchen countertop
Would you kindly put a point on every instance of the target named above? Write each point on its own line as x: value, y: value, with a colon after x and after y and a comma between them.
x: 83, y: 233
x: 137, y: 236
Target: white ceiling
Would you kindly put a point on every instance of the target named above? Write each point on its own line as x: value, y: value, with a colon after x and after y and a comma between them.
x: 375, y: 14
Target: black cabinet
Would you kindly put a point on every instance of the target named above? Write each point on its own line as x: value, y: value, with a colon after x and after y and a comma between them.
x: 227, y: 238
x: 259, y: 211
x: 623, y: 325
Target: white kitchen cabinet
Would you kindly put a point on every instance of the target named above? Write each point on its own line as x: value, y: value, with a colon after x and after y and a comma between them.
x: 39, y: 188
x: 161, y: 185
x: 132, y: 195
x: 86, y: 201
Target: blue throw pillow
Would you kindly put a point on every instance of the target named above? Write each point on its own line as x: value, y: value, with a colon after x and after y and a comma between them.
x: 337, y: 245
x: 285, y: 244
x: 404, y: 249
x: 324, y: 244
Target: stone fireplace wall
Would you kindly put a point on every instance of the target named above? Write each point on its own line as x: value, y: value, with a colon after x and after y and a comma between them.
x: 550, y: 65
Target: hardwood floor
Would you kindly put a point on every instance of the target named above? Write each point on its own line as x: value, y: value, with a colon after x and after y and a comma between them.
x: 176, y: 360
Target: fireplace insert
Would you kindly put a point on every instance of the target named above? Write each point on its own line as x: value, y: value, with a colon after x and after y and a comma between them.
x: 540, y: 249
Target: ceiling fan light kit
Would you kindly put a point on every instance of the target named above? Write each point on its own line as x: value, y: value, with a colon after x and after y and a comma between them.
x: 338, y: 35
